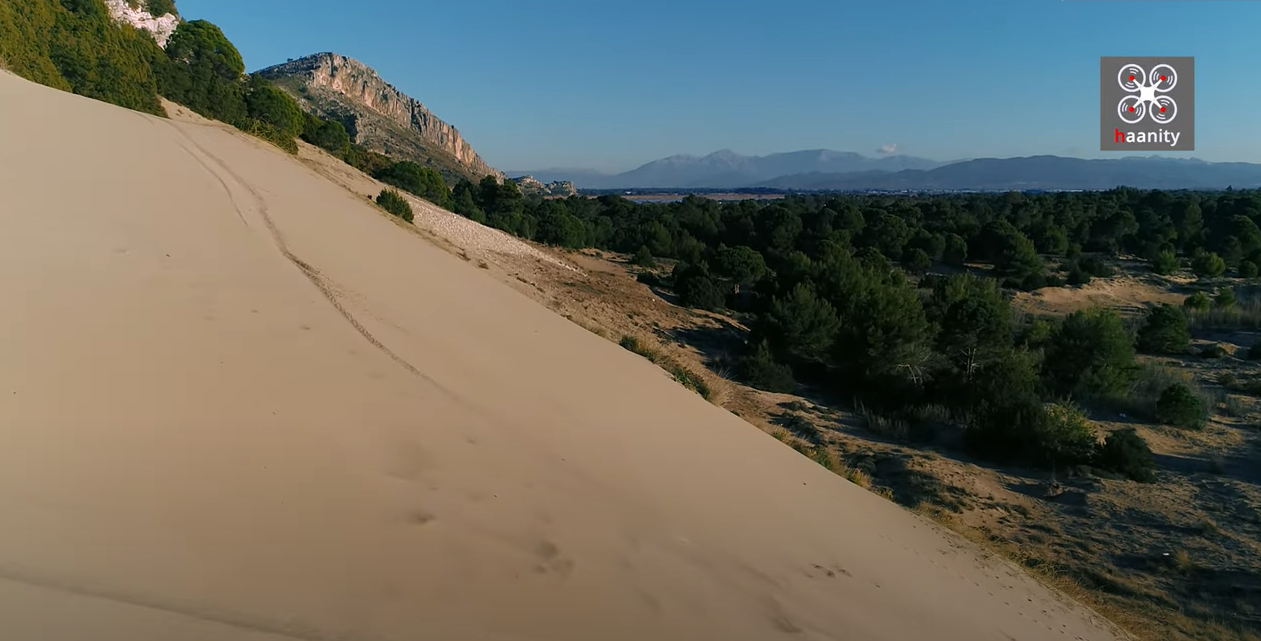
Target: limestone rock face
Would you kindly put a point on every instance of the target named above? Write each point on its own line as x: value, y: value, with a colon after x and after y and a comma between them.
x: 160, y: 26
x: 530, y: 185
x: 376, y: 114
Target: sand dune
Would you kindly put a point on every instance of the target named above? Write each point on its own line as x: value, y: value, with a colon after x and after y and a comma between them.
x: 239, y: 403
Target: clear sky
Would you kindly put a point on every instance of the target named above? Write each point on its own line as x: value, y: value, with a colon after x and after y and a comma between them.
x: 611, y: 84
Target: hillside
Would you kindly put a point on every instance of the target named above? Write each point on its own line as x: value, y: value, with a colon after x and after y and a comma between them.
x: 377, y: 115
x: 272, y: 434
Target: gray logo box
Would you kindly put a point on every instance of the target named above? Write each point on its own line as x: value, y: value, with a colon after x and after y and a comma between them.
x: 1147, y: 103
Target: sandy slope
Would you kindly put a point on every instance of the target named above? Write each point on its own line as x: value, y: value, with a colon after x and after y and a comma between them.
x: 238, y: 403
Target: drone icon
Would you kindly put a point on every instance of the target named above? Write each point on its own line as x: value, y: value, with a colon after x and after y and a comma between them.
x: 1145, y: 98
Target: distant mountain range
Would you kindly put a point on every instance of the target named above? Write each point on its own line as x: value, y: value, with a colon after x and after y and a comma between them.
x: 727, y: 169
x: 821, y: 170
x: 1039, y: 172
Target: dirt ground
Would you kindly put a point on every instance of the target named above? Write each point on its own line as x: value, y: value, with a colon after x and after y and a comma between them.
x: 1176, y: 560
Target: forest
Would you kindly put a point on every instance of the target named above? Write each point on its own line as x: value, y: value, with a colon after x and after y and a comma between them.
x: 904, y: 302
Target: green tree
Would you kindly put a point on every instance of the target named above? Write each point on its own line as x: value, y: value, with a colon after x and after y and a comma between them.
x: 203, y: 72
x: 1164, y: 331
x: 1089, y: 355
x: 269, y: 104
x: 1208, y: 264
x: 422, y: 181
x: 1225, y: 298
x: 956, y: 251
x: 1248, y: 269
x: 1180, y: 407
x: 329, y: 135
x: 1197, y: 301
x: 1125, y: 452
x: 918, y: 261
x: 974, y: 321
x: 742, y: 265
x: 697, y: 289
x: 644, y: 258
x: 1166, y: 262
x: 801, y: 323
x: 556, y: 226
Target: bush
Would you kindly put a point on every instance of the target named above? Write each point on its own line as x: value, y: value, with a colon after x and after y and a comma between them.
x: 1125, y: 452
x: 1090, y: 354
x: 1225, y: 299
x: 759, y: 369
x: 1164, y: 332
x: 918, y: 261
x: 1178, y: 406
x: 1213, y: 350
x: 1248, y: 269
x: 1166, y: 262
x: 1076, y: 275
x: 271, y: 105
x: 1208, y: 264
x: 644, y: 257
x: 1096, y: 266
x: 1197, y: 301
x: 696, y: 289
x: 421, y: 181
x: 1066, y: 436
x: 393, y: 202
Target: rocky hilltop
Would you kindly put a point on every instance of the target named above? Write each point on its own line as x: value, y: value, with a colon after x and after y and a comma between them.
x: 140, y: 16
x: 530, y: 185
x: 377, y: 115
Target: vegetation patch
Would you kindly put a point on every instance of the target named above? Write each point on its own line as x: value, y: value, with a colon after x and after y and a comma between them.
x: 394, y: 203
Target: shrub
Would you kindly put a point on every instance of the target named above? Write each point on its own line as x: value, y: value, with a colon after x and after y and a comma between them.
x: 1248, y: 269
x: 1164, y: 332
x: 1225, y: 299
x: 1089, y: 354
x: 1197, y: 301
x: 1066, y: 436
x: 1208, y: 264
x: 393, y: 202
x: 1077, y: 275
x: 696, y: 289
x: 759, y: 369
x: 1178, y: 406
x: 1152, y: 382
x: 273, y: 106
x: 1096, y: 266
x: 1166, y: 262
x: 644, y: 257
x: 918, y: 261
x: 1125, y: 452
x: 1213, y: 350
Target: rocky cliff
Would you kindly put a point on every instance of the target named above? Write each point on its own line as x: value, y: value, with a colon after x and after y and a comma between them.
x: 138, y: 15
x: 377, y: 115
x: 530, y: 185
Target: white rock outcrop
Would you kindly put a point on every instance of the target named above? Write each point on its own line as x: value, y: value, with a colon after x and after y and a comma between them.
x: 161, y: 26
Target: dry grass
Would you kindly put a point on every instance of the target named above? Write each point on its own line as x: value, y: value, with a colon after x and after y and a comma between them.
x: 684, y: 376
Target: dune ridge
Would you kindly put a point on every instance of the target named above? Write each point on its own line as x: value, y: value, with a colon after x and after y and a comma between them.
x: 239, y: 403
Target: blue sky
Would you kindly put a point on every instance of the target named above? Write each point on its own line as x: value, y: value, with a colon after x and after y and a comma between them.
x: 611, y: 84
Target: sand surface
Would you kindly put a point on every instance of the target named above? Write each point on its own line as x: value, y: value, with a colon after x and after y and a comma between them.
x: 239, y: 403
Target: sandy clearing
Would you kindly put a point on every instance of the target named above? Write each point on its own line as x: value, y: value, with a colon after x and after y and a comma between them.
x: 241, y: 404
